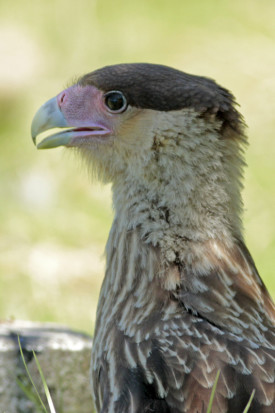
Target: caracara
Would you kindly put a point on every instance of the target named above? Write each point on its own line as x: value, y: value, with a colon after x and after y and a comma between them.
x: 181, y: 298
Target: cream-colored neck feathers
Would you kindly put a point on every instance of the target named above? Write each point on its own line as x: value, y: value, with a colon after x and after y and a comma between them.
x: 186, y: 185
x: 175, y: 175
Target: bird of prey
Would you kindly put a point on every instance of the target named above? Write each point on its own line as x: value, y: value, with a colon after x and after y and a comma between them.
x: 181, y: 298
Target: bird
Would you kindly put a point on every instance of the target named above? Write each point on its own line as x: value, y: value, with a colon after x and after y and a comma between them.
x: 181, y: 299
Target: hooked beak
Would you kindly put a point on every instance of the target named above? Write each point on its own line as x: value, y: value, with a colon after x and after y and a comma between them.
x: 47, y: 117
x: 50, y: 116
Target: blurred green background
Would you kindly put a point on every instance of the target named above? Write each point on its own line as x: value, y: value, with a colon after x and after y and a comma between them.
x: 53, y: 221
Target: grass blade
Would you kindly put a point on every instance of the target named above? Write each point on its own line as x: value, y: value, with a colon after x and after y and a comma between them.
x: 30, y: 395
x: 30, y: 377
x: 209, y: 408
x: 249, y: 402
x: 47, y: 392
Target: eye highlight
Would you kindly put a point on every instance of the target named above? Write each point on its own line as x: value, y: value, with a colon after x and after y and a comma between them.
x: 115, y: 101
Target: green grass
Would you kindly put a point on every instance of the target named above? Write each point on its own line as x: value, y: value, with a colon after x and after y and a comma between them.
x: 212, y: 397
x: 35, y: 396
x: 209, y: 408
x: 37, y: 400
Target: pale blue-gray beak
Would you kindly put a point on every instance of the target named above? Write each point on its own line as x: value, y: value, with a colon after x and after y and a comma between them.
x: 47, y: 117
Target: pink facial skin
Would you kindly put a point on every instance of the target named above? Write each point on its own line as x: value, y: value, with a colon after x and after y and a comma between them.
x: 83, y: 107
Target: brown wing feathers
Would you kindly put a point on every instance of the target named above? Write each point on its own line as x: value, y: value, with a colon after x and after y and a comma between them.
x: 229, y: 291
x: 233, y: 300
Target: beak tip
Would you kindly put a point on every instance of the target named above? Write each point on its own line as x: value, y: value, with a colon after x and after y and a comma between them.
x: 47, y: 117
x: 34, y: 139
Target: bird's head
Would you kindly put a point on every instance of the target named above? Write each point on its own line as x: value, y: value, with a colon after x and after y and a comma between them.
x: 123, y: 115
x: 172, y: 138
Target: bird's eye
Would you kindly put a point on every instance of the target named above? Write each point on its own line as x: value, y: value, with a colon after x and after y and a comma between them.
x: 115, y: 101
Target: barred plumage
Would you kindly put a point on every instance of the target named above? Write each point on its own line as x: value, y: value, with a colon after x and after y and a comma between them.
x: 181, y: 297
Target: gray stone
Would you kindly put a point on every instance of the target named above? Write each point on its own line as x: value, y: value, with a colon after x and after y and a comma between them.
x: 64, y: 356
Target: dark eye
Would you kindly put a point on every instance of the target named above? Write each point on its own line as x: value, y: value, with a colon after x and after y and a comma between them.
x: 115, y: 101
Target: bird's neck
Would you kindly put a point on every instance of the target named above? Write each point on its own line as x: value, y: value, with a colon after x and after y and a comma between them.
x: 166, y: 216
x: 185, y: 187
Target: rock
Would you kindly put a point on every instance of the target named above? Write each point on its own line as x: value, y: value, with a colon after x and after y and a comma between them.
x: 64, y: 356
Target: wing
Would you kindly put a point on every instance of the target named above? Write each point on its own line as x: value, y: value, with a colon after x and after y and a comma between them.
x: 223, y: 286
x: 231, y: 328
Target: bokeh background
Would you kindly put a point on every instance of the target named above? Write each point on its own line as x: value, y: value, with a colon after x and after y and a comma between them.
x: 53, y: 220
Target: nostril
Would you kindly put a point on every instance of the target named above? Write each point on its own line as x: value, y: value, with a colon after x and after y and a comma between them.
x: 61, y: 98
